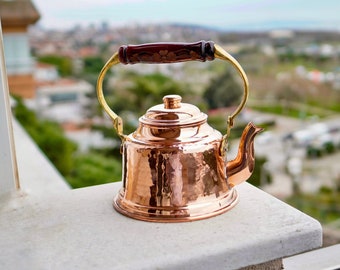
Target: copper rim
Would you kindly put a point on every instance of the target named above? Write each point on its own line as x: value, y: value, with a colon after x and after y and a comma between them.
x: 171, y: 214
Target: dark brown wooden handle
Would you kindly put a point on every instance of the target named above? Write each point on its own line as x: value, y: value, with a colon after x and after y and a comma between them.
x: 158, y: 53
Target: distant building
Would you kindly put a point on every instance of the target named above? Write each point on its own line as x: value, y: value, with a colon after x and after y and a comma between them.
x: 62, y: 100
x: 45, y: 73
x: 16, y: 16
x: 281, y: 37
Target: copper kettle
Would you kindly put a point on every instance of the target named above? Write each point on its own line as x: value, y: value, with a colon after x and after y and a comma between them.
x: 174, y: 164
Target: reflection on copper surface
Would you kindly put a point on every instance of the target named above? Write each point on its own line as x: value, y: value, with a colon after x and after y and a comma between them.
x: 170, y: 182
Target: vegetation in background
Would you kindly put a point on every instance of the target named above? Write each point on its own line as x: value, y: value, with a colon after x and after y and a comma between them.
x: 80, y: 170
x: 143, y: 92
x: 284, y: 109
x: 255, y: 178
x: 49, y: 136
x: 63, y: 63
x: 91, y: 65
x: 94, y: 169
x: 323, y: 206
x: 223, y: 91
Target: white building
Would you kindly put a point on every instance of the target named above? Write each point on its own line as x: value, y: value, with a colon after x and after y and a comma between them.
x: 62, y: 100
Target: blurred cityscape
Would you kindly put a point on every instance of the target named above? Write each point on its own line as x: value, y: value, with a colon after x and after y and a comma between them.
x: 294, y: 93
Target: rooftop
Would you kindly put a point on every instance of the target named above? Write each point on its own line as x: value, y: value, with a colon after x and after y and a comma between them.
x: 18, y: 13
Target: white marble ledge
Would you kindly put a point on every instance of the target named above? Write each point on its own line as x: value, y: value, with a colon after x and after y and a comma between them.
x: 78, y: 229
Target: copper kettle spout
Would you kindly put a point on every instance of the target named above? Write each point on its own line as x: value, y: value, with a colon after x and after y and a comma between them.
x: 241, y: 168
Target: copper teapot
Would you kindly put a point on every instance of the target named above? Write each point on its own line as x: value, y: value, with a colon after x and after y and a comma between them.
x: 174, y: 164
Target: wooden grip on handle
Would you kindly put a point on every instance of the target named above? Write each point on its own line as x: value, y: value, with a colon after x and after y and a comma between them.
x: 160, y: 53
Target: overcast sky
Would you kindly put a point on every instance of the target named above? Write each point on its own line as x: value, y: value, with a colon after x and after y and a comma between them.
x: 225, y: 14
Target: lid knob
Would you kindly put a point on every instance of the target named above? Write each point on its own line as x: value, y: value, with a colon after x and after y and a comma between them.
x: 172, y: 101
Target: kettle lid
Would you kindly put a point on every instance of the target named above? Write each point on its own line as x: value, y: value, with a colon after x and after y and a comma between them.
x: 173, y: 113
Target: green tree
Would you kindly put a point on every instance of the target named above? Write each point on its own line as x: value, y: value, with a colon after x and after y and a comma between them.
x: 223, y: 91
x: 94, y: 169
x: 49, y: 137
x: 93, y: 64
x: 63, y: 63
x: 144, y: 92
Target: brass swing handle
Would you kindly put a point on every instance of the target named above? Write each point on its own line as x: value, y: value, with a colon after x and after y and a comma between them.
x: 158, y: 53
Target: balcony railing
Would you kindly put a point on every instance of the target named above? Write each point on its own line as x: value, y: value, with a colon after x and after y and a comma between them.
x: 8, y: 168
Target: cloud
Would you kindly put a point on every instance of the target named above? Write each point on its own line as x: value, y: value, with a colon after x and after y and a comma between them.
x: 52, y: 5
x: 213, y: 13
